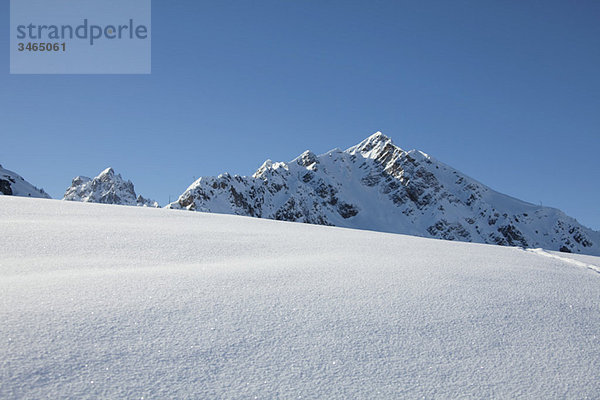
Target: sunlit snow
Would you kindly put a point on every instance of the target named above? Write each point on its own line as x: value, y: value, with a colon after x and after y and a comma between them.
x: 103, y: 301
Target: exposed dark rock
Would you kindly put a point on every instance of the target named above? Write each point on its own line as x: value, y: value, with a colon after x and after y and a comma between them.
x: 5, y: 188
x: 513, y: 236
x: 347, y: 210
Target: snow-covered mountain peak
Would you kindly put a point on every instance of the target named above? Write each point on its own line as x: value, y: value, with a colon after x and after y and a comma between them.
x: 375, y: 138
x: 374, y: 146
x: 269, y: 167
x: 263, y: 168
x: 376, y: 185
x: 108, y: 173
x: 378, y: 147
x: 107, y: 188
x: 306, y: 159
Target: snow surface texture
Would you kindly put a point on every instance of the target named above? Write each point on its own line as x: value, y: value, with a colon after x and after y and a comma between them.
x: 378, y: 186
x: 106, y: 188
x: 582, y: 264
x: 101, y: 301
x: 12, y: 184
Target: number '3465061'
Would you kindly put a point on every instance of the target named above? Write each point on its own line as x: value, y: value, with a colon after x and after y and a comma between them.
x: 42, y: 46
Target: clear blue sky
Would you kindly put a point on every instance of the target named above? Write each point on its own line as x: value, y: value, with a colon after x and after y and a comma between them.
x: 506, y: 91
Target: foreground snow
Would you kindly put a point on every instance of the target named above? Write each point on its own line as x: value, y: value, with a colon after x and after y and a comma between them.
x: 104, y: 301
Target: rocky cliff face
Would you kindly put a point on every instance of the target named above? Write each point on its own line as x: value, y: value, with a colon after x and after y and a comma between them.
x: 12, y: 184
x: 376, y: 185
x: 106, y: 188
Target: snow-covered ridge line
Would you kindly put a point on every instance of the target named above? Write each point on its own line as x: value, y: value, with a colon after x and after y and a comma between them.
x: 13, y: 184
x: 376, y: 185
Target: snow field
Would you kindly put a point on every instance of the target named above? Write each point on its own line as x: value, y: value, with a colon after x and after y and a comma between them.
x: 121, y: 302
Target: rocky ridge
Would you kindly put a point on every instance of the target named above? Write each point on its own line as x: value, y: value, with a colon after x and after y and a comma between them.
x: 376, y: 185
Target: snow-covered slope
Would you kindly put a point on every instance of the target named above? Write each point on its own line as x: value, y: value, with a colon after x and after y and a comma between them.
x: 100, y: 301
x: 106, y: 188
x: 376, y: 185
x: 12, y: 184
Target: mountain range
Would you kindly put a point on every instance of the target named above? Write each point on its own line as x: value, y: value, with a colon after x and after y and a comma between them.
x: 374, y: 185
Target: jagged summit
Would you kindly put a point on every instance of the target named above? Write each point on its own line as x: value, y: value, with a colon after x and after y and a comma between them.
x: 107, y: 188
x: 378, y: 147
x: 374, y: 142
x: 376, y: 138
x: 108, y: 173
x: 306, y: 159
x: 265, y: 166
x: 376, y: 185
x: 13, y: 184
x: 269, y: 165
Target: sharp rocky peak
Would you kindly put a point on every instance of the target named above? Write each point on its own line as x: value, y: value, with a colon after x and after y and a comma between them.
x: 269, y: 166
x: 376, y: 146
x: 307, y: 159
x: 108, y: 173
x: 107, y: 188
